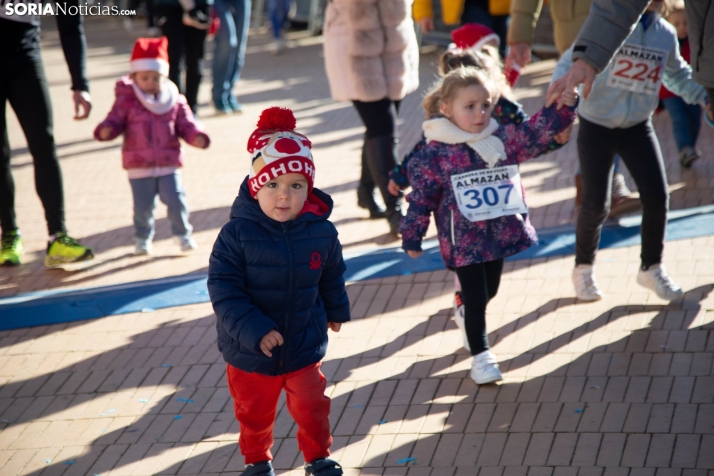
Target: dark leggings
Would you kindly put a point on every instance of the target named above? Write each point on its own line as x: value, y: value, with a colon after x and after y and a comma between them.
x: 185, y: 43
x: 639, y: 148
x: 25, y: 88
x: 134, y: 4
x: 379, y: 117
x: 479, y: 284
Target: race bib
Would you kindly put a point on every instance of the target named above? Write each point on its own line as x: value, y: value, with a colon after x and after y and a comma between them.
x: 489, y: 193
x: 638, y: 69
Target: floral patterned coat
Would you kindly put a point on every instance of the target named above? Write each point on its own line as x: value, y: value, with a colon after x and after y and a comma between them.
x: 463, y: 242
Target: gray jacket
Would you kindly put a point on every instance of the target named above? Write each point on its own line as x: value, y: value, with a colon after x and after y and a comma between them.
x: 611, y: 21
x: 614, y: 107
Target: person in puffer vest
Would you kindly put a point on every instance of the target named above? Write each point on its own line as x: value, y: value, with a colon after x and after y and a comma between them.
x: 276, y: 281
x: 153, y: 115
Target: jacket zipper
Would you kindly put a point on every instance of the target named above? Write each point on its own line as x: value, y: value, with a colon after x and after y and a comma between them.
x: 286, y: 321
x: 453, y: 237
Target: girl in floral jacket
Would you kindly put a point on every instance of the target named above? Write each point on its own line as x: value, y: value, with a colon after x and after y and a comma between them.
x: 467, y: 175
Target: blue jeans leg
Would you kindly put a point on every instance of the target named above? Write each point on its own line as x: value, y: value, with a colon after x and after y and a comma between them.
x: 278, y: 16
x: 686, y: 121
x: 229, y: 54
x: 144, y: 191
x: 172, y: 193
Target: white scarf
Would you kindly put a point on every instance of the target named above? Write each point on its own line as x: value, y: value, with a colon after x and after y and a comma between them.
x: 162, y: 102
x: 487, y: 145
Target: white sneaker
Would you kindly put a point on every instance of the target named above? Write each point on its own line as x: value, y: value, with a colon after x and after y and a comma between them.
x: 459, y: 318
x: 187, y: 243
x: 657, y: 279
x: 586, y: 288
x: 143, y: 248
x: 484, y: 368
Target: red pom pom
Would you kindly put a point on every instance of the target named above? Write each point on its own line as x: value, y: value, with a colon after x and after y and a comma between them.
x: 277, y: 119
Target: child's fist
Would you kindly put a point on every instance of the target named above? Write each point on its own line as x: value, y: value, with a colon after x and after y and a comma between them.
x: 415, y: 254
x: 393, y: 188
x: 334, y: 326
x: 199, y: 141
x: 564, y: 136
x: 569, y: 98
x: 271, y: 340
x: 105, y: 132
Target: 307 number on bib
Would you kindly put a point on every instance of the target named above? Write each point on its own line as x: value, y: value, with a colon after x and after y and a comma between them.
x: 489, y: 193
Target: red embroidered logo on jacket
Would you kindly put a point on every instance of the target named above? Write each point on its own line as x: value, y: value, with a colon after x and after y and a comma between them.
x: 315, y: 261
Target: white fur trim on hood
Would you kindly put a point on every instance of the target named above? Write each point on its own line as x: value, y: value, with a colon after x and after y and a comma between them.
x: 487, y: 145
x: 162, y: 102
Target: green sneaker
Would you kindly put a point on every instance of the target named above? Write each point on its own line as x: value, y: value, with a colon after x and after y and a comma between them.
x: 11, y: 248
x: 64, y: 249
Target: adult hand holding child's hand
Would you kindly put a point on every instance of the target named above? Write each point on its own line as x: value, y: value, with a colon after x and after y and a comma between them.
x: 568, y: 98
x: 105, y: 132
x: 271, y: 340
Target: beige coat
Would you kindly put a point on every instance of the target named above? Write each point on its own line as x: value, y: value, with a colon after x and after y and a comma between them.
x: 371, y: 51
x: 568, y: 16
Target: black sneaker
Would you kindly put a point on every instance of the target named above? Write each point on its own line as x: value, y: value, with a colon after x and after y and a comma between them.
x: 688, y: 156
x: 323, y: 467
x: 264, y: 468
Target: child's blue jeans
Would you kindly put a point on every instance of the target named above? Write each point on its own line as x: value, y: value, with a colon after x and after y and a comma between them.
x: 686, y: 120
x: 171, y: 192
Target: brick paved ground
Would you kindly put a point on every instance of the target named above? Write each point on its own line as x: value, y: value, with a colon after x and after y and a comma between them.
x: 622, y: 387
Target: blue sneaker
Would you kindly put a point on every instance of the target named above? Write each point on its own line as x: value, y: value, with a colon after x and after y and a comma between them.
x: 264, y: 468
x: 235, y: 105
x: 323, y: 467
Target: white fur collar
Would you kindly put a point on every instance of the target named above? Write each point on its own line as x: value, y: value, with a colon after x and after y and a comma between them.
x: 487, y: 145
x: 162, y: 102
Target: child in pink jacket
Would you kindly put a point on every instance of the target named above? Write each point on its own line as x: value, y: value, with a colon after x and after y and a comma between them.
x: 152, y: 115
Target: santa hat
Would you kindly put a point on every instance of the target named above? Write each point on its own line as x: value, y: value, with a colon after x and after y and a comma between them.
x: 473, y: 36
x: 277, y: 150
x: 150, y: 54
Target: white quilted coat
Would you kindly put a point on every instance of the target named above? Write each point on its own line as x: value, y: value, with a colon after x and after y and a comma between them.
x: 371, y: 51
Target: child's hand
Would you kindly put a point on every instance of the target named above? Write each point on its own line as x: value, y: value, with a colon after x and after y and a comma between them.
x: 199, y: 141
x: 414, y: 254
x: 105, y: 132
x: 393, y: 188
x: 271, y: 340
x: 568, y: 98
x: 564, y: 136
x: 334, y: 326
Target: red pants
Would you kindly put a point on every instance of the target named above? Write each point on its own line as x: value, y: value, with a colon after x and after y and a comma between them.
x: 255, y: 398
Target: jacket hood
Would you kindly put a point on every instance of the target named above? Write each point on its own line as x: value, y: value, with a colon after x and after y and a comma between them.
x: 123, y: 87
x: 317, y: 207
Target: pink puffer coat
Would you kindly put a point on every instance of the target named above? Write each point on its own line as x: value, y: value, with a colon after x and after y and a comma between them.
x: 150, y: 140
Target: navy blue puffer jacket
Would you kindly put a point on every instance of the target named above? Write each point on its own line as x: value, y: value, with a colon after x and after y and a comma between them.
x: 265, y: 275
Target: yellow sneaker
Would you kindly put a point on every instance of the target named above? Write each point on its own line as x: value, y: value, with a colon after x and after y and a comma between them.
x: 63, y: 250
x: 11, y: 248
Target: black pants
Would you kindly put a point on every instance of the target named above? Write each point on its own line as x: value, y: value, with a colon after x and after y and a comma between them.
x: 379, y: 117
x: 134, y: 4
x: 639, y: 148
x: 479, y: 284
x: 186, y: 44
x: 25, y: 88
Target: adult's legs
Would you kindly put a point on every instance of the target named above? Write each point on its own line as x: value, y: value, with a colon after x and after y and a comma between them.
x: 310, y: 408
x: 479, y: 284
x: 8, y: 221
x: 597, y: 146
x: 255, y: 411
x: 144, y: 191
x: 379, y: 117
x: 173, y: 194
x: 173, y: 29
x: 229, y: 53
x: 195, y: 44
x: 29, y: 97
x: 278, y: 11
x: 640, y: 151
